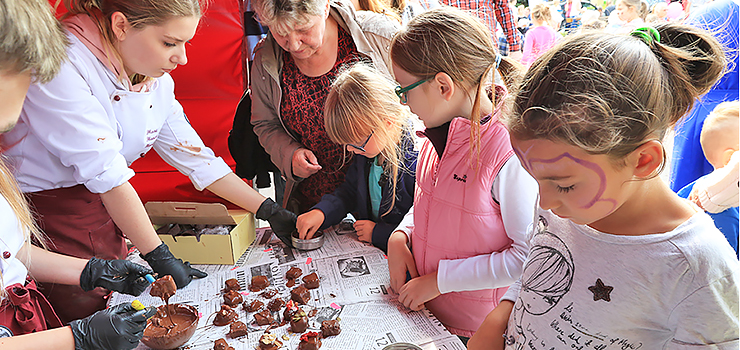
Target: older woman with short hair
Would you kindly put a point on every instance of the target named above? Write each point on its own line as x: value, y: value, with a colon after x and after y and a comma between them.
x: 309, y: 42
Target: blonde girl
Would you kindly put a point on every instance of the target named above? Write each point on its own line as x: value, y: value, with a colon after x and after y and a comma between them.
x: 111, y: 103
x: 463, y: 242
x: 632, y: 14
x: 647, y: 268
x: 540, y: 38
x: 363, y: 114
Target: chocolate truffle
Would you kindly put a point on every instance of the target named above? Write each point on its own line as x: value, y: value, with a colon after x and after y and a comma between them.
x: 259, y: 283
x: 253, y: 306
x: 163, y: 288
x: 300, y: 295
x: 268, y: 294
x: 233, y: 284
x: 299, y: 322
x: 311, y: 281
x: 237, y: 329
x: 330, y: 328
x: 263, y: 317
x: 310, y: 341
x: 275, y: 304
x: 269, y: 342
x: 290, y: 309
x: 224, y: 316
x: 293, y: 273
x: 220, y: 344
x: 233, y: 298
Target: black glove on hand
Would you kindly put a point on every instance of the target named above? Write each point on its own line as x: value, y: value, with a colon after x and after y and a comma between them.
x: 114, y: 328
x: 118, y: 275
x: 164, y: 263
x: 282, y: 221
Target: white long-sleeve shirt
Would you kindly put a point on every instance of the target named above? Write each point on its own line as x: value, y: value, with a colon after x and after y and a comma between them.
x: 84, y: 127
x: 516, y: 191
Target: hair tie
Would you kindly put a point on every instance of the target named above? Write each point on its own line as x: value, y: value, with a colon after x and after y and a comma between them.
x: 497, y: 60
x: 647, y: 34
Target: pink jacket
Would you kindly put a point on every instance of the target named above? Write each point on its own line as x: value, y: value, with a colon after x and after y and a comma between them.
x: 537, y: 41
x: 455, y: 216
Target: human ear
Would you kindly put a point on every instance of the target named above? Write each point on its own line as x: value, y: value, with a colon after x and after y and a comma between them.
x: 445, y: 85
x: 647, y: 159
x: 119, y: 24
x: 726, y: 155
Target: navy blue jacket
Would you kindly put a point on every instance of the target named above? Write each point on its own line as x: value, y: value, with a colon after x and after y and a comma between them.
x: 353, y: 196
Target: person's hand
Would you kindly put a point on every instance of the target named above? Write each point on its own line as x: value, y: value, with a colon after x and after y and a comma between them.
x: 418, y: 291
x: 400, y: 260
x: 164, y: 263
x: 364, y: 230
x: 490, y: 334
x: 308, y: 223
x: 118, y: 327
x: 282, y: 221
x: 305, y: 163
x: 118, y: 275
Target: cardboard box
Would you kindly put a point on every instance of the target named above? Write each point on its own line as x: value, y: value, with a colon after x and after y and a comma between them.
x: 211, y: 249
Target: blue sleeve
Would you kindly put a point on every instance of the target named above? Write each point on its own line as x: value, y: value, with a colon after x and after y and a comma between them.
x: 343, y: 200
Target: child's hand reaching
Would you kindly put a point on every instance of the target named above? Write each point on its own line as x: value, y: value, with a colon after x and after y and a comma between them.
x: 308, y: 223
x: 400, y: 260
x: 418, y: 291
x: 490, y: 335
x: 364, y: 230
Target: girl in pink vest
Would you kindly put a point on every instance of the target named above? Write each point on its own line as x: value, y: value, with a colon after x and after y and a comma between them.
x: 463, y: 242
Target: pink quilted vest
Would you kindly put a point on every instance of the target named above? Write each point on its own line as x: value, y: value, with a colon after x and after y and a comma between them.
x: 455, y: 216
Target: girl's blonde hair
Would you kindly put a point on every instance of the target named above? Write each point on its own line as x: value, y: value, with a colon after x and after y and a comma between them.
x: 449, y: 40
x: 541, y: 12
x: 139, y: 13
x: 641, y: 6
x: 362, y: 101
x: 608, y: 94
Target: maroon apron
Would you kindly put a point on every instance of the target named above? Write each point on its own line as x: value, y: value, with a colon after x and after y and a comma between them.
x: 77, y: 224
x: 25, y: 310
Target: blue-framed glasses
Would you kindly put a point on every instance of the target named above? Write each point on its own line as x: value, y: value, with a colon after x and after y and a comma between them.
x: 402, y: 93
x: 361, y: 148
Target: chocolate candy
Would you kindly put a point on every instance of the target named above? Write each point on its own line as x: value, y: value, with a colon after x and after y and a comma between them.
x: 275, y: 304
x: 269, y: 342
x: 293, y: 273
x: 311, y: 281
x: 224, y: 316
x: 221, y: 344
x: 310, y: 341
x: 253, y: 306
x: 233, y: 284
x: 233, y: 298
x: 163, y: 288
x: 299, y: 322
x: 259, y: 283
x: 263, y: 317
x: 300, y: 295
x: 268, y: 294
x: 330, y: 328
x: 237, y: 329
x: 290, y: 309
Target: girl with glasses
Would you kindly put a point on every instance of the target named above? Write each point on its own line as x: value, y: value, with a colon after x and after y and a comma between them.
x: 464, y: 244
x: 362, y: 112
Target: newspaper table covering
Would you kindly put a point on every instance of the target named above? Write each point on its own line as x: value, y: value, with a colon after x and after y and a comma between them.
x: 354, y: 290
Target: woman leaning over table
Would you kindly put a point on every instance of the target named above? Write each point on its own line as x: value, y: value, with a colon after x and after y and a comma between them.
x: 112, y: 102
x: 308, y: 44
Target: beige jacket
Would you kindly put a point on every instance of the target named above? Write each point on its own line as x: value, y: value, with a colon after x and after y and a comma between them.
x: 372, y: 35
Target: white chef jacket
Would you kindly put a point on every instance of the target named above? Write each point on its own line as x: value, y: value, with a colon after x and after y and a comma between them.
x: 11, y: 241
x: 84, y: 127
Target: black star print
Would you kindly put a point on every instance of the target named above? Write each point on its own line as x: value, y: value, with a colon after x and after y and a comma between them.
x: 601, y: 291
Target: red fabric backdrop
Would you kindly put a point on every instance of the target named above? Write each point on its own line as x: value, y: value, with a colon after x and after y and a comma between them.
x: 209, y: 87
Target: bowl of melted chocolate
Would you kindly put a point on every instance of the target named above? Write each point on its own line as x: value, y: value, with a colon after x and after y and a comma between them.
x: 171, y: 327
x: 308, y: 244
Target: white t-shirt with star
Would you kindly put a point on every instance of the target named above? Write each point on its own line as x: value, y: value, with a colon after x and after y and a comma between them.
x: 585, y: 289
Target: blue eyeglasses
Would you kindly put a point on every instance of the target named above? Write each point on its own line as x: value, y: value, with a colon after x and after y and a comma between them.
x: 361, y: 148
x: 402, y: 93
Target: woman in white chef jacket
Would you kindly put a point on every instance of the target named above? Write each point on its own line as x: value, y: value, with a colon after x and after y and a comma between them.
x: 111, y: 103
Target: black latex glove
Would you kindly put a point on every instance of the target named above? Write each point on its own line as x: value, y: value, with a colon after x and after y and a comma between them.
x: 164, y: 263
x: 282, y: 221
x: 118, y: 275
x: 117, y: 327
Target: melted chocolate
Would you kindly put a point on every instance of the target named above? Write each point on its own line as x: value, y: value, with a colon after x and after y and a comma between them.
x: 253, y: 306
x: 300, y: 295
x: 233, y: 298
x: 163, y: 288
x: 310, y: 341
x: 311, y: 281
x: 224, y: 316
x: 330, y: 328
x: 237, y: 329
x: 171, y: 327
x: 263, y: 317
x: 233, y: 284
x: 259, y: 283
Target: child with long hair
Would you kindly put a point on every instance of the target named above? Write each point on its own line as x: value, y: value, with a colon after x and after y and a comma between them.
x: 645, y: 268
x: 463, y: 242
x: 541, y: 37
x: 111, y: 103
x: 32, y: 48
x: 362, y: 112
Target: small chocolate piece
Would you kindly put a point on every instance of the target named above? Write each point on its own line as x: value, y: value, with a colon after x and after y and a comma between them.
x: 253, y: 306
x: 163, y: 288
x: 293, y: 273
x: 269, y: 341
x: 330, y: 328
x: 268, y: 294
x: 263, y: 317
x: 233, y: 298
x: 299, y: 322
x: 275, y: 304
x: 259, y: 283
x: 233, y: 284
x: 290, y: 309
x: 311, y: 281
x: 238, y: 329
x: 300, y: 295
x: 220, y: 344
x: 224, y: 316
x: 310, y: 341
